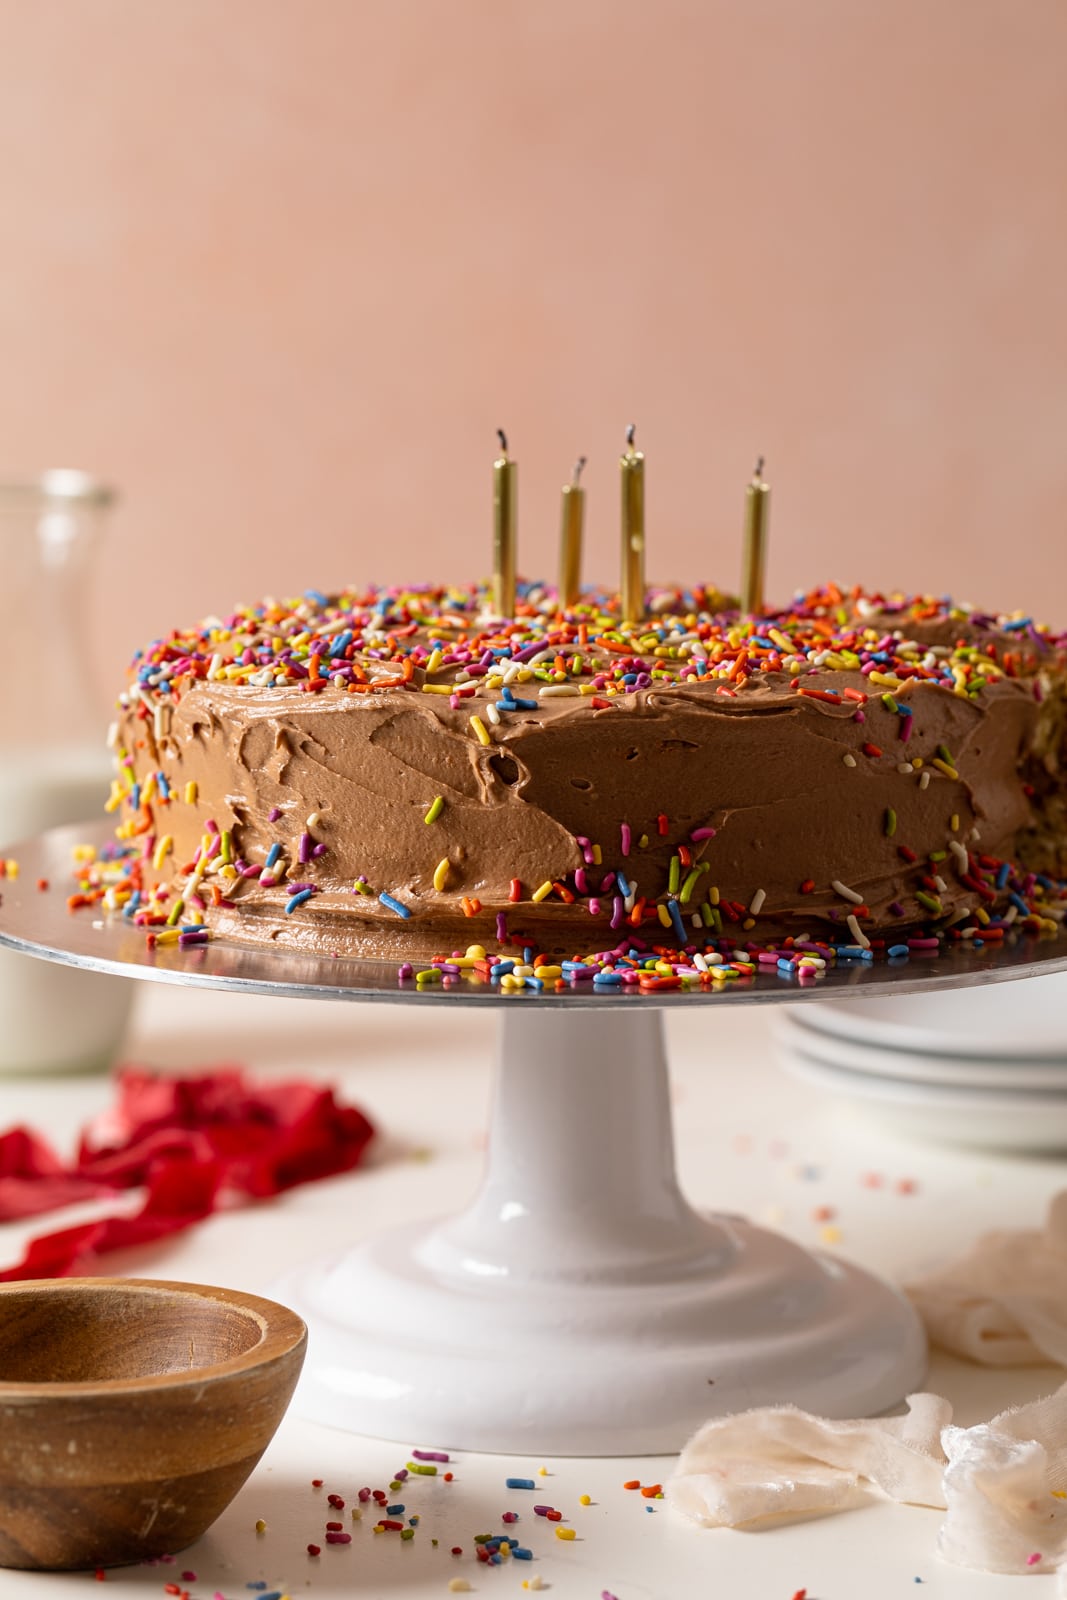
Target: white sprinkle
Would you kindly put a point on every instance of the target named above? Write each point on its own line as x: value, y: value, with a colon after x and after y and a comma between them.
x: 214, y: 666
x: 558, y: 689
x: 942, y: 886
x: 492, y: 713
x: 849, y: 759
x: 959, y: 852
x: 312, y: 822
x: 699, y: 962
x: 1010, y: 915
x: 755, y: 905
x: 113, y: 736
x: 857, y: 932
x: 905, y: 768
x: 924, y: 780
x: 845, y: 892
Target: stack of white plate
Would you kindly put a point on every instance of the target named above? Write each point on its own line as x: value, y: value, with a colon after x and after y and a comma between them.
x: 977, y: 1066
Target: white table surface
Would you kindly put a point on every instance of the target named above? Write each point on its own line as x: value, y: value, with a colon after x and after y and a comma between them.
x: 749, y: 1139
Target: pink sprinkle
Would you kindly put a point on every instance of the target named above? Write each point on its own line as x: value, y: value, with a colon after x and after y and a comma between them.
x: 697, y: 833
x: 274, y: 813
x: 624, y: 838
x: 1033, y: 1559
x: 435, y: 1455
x: 509, y: 1516
x: 338, y: 1538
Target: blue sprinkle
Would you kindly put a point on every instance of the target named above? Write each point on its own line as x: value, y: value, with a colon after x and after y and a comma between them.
x: 297, y: 900
x: 1019, y: 903
x: 501, y: 969
x: 163, y: 786
x: 395, y: 1511
x: 519, y: 1483
x: 394, y: 905
x: 676, y: 918
x: 609, y: 979
x: 314, y: 594
x: 623, y: 884
x: 526, y: 705
x: 1003, y: 874
x: 272, y: 855
x: 340, y: 644
x: 535, y: 983
x: 898, y: 950
x: 521, y: 1553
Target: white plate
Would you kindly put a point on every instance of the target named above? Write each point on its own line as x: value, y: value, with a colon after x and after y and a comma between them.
x: 1003, y: 1121
x: 792, y: 1029
x: 1012, y: 1019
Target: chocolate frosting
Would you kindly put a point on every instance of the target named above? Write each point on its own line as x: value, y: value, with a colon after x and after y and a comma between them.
x: 769, y: 798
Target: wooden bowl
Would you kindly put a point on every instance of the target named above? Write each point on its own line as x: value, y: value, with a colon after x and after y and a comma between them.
x: 131, y: 1412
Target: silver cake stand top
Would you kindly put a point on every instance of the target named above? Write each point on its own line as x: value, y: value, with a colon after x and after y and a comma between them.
x: 38, y: 923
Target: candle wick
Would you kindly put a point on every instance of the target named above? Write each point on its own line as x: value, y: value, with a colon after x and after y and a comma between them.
x: 631, y: 430
x: 759, y: 468
x: 502, y: 436
x: 578, y: 465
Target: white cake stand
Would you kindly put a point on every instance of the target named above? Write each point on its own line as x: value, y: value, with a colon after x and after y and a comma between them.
x: 580, y: 1306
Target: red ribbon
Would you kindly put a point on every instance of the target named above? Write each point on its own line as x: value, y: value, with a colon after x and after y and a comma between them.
x: 189, y: 1142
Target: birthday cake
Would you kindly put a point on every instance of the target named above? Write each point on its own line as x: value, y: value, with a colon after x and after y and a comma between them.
x: 392, y: 772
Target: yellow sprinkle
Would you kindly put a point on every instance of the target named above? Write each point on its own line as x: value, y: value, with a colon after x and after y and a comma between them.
x: 943, y: 766
x: 226, y: 850
x: 261, y: 1526
x: 550, y: 972
x: 480, y: 730
x: 437, y: 688
x: 542, y: 1472
x: 544, y: 891
x: 955, y: 824
x: 830, y: 1235
x: 587, y: 1499
x: 434, y: 661
x: 163, y: 849
x: 664, y: 916
x: 191, y: 792
x: 458, y: 1586
x: 565, y: 1533
x: 598, y: 858
x: 440, y: 877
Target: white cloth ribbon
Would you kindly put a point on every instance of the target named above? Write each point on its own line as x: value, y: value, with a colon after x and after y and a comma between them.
x: 1003, y: 1483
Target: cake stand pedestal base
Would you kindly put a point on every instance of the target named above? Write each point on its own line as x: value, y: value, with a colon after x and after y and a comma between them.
x: 581, y: 1306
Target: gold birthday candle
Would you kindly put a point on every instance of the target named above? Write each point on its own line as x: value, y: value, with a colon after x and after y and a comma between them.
x: 632, y: 582
x: 572, y: 518
x: 505, y: 488
x: 754, y: 551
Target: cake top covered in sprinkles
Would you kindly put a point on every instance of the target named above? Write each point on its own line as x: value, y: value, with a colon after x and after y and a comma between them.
x: 431, y: 639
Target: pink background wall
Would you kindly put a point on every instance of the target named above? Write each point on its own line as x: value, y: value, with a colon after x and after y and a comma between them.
x: 280, y: 269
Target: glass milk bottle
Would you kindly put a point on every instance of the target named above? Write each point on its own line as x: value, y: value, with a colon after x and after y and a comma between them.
x: 54, y: 765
